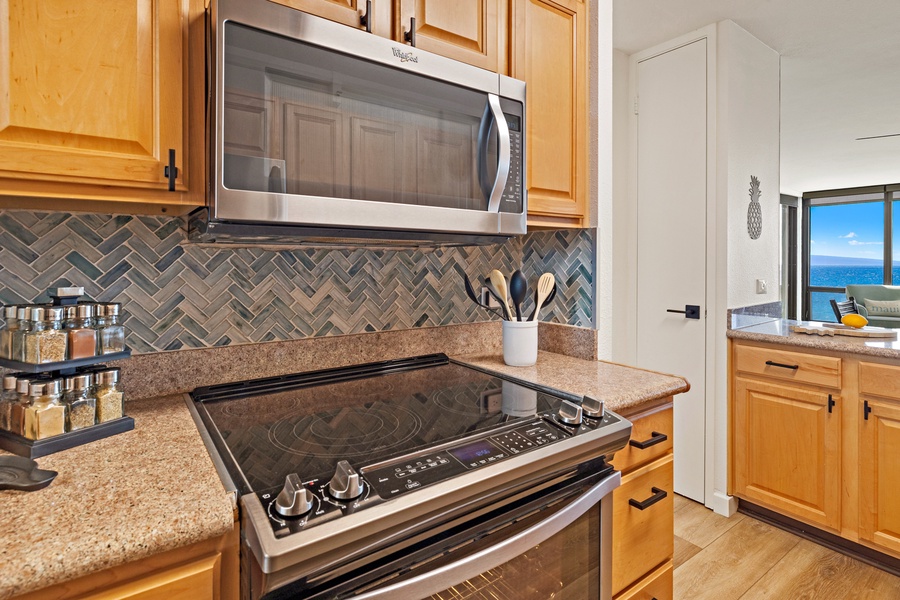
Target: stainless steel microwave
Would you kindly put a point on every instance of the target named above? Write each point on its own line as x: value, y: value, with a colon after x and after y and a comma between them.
x: 320, y: 131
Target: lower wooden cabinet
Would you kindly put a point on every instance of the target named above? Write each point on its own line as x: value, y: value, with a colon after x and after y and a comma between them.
x: 207, y: 570
x: 787, y: 449
x: 879, y: 474
x: 643, y: 509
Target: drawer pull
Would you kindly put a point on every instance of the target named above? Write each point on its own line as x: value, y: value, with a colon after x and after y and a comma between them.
x: 658, y: 495
x: 772, y: 363
x: 656, y: 438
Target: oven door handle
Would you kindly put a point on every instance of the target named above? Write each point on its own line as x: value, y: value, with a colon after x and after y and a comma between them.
x: 471, y: 566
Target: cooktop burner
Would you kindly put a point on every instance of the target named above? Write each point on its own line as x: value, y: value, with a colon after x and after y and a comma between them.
x: 307, y: 423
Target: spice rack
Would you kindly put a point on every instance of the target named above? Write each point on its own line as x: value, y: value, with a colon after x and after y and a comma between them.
x: 23, y: 446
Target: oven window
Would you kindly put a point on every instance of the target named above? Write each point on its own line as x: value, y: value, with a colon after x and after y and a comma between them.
x: 567, y: 566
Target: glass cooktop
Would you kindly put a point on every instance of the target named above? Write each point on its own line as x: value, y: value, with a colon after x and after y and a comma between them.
x: 306, y: 423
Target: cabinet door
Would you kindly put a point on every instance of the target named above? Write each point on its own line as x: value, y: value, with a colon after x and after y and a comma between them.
x: 787, y: 450
x: 550, y: 55
x: 879, y: 474
x: 471, y: 31
x: 93, y: 90
x: 348, y: 12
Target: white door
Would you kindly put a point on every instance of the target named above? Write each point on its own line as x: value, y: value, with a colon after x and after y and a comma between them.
x: 671, y: 244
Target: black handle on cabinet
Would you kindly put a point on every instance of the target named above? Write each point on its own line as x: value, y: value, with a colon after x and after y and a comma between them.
x: 830, y: 403
x: 656, y: 438
x: 171, y: 171
x: 772, y: 363
x: 866, y: 410
x: 691, y: 311
x: 366, y: 19
x: 658, y: 495
x: 410, y: 36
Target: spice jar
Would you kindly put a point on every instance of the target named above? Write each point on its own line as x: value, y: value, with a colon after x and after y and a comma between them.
x: 10, y: 324
x: 81, y: 405
x: 17, y: 413
x: 112, y: 334
x: 46, y: 342
x: 46, y: 416
x: 8, y: 398
x: 17, y: 336
x: 110, y: 400
x: 82, y: 337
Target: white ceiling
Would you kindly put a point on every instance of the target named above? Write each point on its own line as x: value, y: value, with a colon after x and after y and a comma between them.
x: 840, y: 77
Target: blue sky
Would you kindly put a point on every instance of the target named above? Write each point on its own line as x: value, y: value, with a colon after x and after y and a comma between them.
x: 855, y: 230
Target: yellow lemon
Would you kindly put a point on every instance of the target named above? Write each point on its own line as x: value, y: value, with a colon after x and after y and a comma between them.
x: 856, y: 321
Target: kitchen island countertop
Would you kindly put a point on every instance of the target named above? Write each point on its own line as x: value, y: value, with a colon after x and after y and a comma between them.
x: 778, y: 331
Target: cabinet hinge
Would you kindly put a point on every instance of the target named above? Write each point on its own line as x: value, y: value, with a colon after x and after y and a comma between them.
x: 866, y: 410
x: 171, y: 171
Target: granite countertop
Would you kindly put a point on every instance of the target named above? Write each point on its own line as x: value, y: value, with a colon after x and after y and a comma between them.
x: 777, y: 331
x: 114, y: 501
x: 622, y: 388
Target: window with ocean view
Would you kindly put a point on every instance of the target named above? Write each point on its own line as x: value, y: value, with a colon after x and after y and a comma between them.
x: 847, y: 243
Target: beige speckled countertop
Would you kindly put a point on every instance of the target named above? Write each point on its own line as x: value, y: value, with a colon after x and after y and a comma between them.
x: 622, y: 387
x: 114, y: 501
x: 777, y: 331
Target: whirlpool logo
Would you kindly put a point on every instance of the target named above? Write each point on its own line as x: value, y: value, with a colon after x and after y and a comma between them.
x: 405, y: 56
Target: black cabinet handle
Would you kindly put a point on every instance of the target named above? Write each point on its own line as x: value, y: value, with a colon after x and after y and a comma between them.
x: 658, y: 495
x: 366, y: 19
x: 171, y: 171
x: 656, y: 438
x: 410, y: 36
x: 772, y: 363
x: 866, y: 410
x: 830, y: 403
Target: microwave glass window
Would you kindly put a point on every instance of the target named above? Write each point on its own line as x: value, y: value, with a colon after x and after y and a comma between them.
x: 299, y: 119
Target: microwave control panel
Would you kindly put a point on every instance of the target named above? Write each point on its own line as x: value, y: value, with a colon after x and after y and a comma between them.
x: 511, y: 201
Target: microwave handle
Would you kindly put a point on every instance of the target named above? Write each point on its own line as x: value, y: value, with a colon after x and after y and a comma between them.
x: 491, y: 557
x: 493, y: 114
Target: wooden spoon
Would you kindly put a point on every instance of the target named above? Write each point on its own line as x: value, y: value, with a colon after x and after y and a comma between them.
x: 499, y: 282
x: 545, y: 286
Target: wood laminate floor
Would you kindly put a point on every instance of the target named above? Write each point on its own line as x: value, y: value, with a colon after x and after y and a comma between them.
x: 742, y: 558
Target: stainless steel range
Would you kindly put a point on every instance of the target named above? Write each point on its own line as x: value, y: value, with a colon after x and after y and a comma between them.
x: 415, y: 478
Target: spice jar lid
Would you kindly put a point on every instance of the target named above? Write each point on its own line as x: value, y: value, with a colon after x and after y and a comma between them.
x: 10, y: 311
x: 23, y: 313
x: 81, y: 382
x: 111, y: 309
x: 52, y: 387
x: 69, y: 311
x: 84, y: 311
x: 9, y: 382
x: 108, y: 377
x: 54, y: 313
x: 36, y: 389
x: 22, y: 385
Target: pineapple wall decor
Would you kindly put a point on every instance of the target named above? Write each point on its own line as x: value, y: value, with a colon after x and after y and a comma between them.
x: 754, y: 211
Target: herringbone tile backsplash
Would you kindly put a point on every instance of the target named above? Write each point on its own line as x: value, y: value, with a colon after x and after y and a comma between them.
x: 179, y: 295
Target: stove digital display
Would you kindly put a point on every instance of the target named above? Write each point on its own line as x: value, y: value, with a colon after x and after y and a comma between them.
x: 475, y: 453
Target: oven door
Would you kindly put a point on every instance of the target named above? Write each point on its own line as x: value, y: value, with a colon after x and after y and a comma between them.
x: 557, y: 545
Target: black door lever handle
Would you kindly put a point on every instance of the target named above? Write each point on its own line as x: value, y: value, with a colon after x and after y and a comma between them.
x: 691, y: 311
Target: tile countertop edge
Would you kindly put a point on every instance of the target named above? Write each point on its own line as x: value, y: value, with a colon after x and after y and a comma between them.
x: 622, y: 387
x: 778, y: 332
x: 115, y: 501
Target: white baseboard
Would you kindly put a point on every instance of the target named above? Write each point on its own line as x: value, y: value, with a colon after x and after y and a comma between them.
x: 723, y: 504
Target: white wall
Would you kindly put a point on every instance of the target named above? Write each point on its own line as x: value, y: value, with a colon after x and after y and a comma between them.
x: 748, y: 144
x: 623, y: 283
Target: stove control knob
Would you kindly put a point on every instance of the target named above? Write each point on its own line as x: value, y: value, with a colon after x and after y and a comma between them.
x: 569, y: 413
x: 593, y: 408
x: 294, y: 500
x: 346, y: 484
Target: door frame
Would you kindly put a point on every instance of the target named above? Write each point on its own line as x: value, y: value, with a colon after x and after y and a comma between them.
x: 716, y: 293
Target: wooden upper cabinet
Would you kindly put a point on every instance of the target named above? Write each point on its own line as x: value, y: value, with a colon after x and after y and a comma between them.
x: 471, y: 31
x: 348, y: 12
x: 95, y: 93
x: 549, y: 42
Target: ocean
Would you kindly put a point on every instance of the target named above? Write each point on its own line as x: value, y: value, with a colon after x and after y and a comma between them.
x: 840, y: 276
